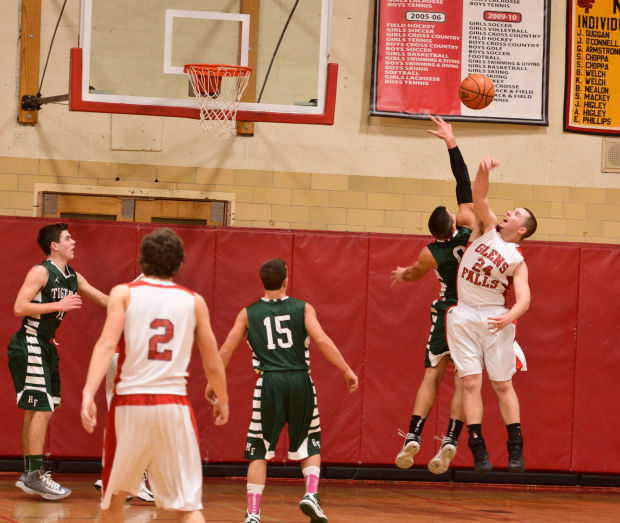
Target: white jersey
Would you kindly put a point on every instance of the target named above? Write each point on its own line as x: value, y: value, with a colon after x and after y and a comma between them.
x: 486, y: 269
x: 158, y: 338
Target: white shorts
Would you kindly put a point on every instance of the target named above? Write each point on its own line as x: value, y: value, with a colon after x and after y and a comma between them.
x: 156, y: 433
x: 473, y: 347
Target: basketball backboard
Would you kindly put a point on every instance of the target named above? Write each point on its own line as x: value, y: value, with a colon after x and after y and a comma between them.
x: 132, y: 53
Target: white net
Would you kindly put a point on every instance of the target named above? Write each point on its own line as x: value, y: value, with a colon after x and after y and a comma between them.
x: 218, y: 89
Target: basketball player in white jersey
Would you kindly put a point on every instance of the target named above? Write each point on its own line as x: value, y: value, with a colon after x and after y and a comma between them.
x: 480, y: 328
x: 144, y: 493
x: 150, y: 424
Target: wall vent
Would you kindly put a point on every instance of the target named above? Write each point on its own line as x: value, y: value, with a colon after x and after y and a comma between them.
x: 610, y: 161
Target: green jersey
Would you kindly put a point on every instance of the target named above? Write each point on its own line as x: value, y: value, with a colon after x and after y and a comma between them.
x: 447, y: 254
x: 277, y: 334
x: 58, y: 286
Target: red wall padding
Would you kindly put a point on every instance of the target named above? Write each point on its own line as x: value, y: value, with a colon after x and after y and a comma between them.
x: 569, y: 336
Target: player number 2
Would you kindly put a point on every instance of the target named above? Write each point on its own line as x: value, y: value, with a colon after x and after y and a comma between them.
x: 280, y: 330
x: 155, y: 353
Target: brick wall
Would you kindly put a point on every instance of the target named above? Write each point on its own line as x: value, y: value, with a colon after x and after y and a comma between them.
x: 319, y: 201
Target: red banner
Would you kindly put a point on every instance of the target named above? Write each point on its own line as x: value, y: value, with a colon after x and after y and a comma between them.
x: 424, y: 49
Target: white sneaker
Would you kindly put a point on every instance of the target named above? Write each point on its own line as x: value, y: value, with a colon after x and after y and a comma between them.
x: 144, y: 493
x: 98, y: 485
x: 411, y: 447
x: 440, y: 463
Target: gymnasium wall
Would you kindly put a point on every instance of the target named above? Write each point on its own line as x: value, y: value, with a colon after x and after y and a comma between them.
x: 362, y: 174
x: 569, y: 336
x: 311, y: 200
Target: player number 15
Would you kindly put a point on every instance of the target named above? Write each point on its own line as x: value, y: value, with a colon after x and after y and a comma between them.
x: 285, y: 331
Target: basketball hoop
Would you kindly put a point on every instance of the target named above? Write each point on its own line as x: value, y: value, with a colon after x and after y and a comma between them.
x: 218, y: 89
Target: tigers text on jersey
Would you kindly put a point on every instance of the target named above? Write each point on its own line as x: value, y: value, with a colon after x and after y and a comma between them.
x: 447, y: 254
x: 277, y: 334
x: 158, y: 338
x: 485, y: 272
x: 58, y: 286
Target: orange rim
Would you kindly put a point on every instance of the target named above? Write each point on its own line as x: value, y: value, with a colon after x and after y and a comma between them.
x: 218, y: 69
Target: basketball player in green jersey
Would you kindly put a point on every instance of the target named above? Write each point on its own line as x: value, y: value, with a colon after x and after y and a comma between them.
x: 50, y: 289
x: 278, y: 329
x: 443, y: 255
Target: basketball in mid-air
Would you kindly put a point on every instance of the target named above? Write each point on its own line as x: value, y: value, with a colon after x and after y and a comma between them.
x: 476, y: 91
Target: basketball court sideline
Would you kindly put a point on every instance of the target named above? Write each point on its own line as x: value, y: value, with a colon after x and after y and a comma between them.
x: 343, y: 501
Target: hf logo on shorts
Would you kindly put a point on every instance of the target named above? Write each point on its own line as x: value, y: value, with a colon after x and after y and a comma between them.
x: 32, y: 400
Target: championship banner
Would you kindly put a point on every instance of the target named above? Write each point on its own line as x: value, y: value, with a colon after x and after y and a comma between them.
x: 592, y: 95
x: 423, y: 49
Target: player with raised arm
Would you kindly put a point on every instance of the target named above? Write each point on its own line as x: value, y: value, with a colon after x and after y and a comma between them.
x: 150, y: 424
x: 481, y: 329
x: 451, y: 234
x: 279, y: 329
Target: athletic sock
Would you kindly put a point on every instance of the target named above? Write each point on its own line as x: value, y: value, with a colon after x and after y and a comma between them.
x: 514, y: 432
x: 311, y: 477
x: 416, y: 425
x: 475, y: 430
x: 26, y: 463
x: 36, y: 462
x: 255, y: 491
x: 454, y: 429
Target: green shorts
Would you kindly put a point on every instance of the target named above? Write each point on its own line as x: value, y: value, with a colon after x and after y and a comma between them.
x: 437, y: 346
x: 33, y: 362
x: 284, y: 397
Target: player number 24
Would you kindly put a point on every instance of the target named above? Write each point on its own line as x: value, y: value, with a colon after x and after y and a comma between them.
x: 284, y: 331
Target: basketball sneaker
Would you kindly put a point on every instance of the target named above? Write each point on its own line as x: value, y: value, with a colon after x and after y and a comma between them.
x: 144, y: 493
x: 98, y: 485
x: 411, y: 447
x: 41, y: 483
x: 481, y: 456
x: 515, y: 456
x: 20, y: 484
x: 440, y: 463
x: 251, y: 518
x: 311, y: 507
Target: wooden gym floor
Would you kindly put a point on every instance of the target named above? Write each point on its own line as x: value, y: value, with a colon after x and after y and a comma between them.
x: 343, y: 501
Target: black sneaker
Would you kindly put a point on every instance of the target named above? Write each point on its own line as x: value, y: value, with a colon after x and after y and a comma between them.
x: 411, y: 447
x: 481, y: 456
x: 515, y: 456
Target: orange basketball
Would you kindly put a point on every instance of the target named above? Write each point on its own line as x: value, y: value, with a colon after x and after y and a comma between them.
x: 476, y: 91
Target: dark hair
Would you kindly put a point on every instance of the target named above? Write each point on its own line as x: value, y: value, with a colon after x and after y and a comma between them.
x: 530, y: 224
x: 440, y: 223
x: 50, y: 233
x: 161, y: 253
x: 273, y: 273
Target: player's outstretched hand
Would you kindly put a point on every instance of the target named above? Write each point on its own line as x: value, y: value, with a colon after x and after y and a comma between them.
x: 487, y: 164
x: 443, y: 131
x: 351, y: 378
x: 70, y: 303
x: 89, y: 413
x: 397, y: 275
x: 220, y: 411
